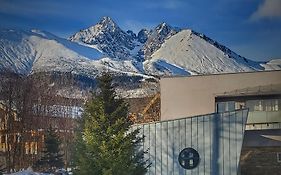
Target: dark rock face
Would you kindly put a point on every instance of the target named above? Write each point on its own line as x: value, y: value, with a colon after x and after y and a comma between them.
x: 116, y: 43
x: 132, y: 34
x: 108, y: 37
x: 143, y: 35
x: 156, y: 38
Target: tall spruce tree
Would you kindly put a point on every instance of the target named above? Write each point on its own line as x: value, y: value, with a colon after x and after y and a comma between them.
x: 106, y: 145
x: 52, y: 158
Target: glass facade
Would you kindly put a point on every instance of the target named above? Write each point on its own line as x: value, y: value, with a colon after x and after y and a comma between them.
x: 216, y: 137
x: 264, y: 113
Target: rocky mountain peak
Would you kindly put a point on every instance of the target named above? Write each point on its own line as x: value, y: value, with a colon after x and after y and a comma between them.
x: 146, y: 46
x: 143, y: 35
x: 107, y: 23
x: 163, y: 28
x: 106, y: 20
x: 156, y: 38
x: 107, y: 37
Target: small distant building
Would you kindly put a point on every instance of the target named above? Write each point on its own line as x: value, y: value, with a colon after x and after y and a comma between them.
x: 22, y: 138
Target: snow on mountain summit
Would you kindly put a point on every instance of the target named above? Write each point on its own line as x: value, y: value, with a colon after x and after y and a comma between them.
x: 107, y: 36
x: 161, y: 51
x: 198, y: 54
x: 164, y: 50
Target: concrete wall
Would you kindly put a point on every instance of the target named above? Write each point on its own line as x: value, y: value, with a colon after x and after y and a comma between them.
x: 195, y: 95
x: 216, y: 137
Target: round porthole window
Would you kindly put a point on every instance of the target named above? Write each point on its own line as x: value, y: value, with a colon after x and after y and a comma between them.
x: 189, y: 158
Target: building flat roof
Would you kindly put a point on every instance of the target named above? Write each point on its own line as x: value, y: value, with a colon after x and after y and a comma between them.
x: 218, y: 74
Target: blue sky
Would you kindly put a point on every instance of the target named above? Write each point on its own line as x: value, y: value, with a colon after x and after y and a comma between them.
x: 252, y: 28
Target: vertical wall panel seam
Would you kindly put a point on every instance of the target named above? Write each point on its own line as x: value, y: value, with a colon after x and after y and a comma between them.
x: 211, y: 142
x: 185, y: 139
x: 155, y: 147
x: 197, y: 140
x: 173, y: 131
x: 180, y: 141
x: 229, y: 163
x: 222, y: 133
x: 149, y: 147
x: 236, y: 141
x: 161, y: 143
x: 204, y: 144
x: 167, y: 147
x: 191, y: 131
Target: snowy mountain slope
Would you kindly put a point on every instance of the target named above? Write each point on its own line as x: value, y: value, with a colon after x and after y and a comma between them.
x: 32, y: 51
x: 274, y: 64
x: 136, y: 59
x: 16, y: 53
x: 24, y: 51
x: 198, y: 55
x: 170, y: 51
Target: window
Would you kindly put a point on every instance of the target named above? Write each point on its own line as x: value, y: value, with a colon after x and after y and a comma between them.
x: 33, y: 148
x: 3, y: 147
x: 264, y: 105
x: 225, y: 106
x: 258, y: 106
x: 17, y: 137
x: 27, y: 148
x: 268, y: 105
x: 276, y: 105
x: 279, y: 157
x: 3, y: 138
x: 240, y: 105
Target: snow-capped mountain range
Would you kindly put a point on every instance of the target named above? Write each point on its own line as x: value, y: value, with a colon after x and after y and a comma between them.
x: 162, y: 51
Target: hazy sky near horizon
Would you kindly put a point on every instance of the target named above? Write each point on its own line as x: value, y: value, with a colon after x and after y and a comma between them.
x: 251, y: 28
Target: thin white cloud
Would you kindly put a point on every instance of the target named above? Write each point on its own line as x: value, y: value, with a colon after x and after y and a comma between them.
x: 268, y: 9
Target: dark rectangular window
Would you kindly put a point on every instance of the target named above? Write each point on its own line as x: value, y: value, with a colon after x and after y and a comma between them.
x: 279, y: 157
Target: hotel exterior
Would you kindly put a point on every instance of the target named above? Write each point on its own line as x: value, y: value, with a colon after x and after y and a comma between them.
x: 217, y: 124
x: 257, y: 92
